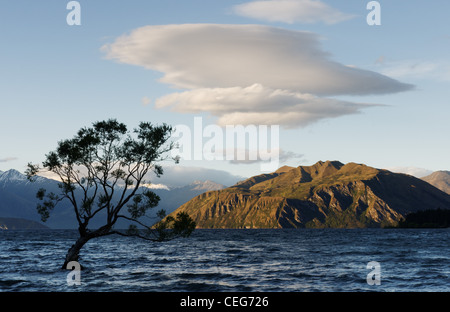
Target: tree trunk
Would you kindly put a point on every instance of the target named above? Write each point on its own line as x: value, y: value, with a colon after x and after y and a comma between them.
x: 74, y: 252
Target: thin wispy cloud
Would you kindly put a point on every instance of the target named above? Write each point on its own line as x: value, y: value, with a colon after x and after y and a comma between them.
x: 417, y: 69
x: 414, y: 171
x: 145, y: 101
x: 283, y: 157
x: 7, y: 159
x: 249, y: 74
x: 292, y: 11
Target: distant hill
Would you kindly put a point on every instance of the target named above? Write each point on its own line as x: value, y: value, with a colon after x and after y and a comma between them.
x: 327, y: 194
x: 440, y: 179
x: 20, y: 224
x: 18, y: 199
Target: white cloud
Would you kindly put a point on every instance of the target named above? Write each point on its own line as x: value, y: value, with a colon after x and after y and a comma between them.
x: 258, y: 105
x: 225, y: 56
x: 49, y: 175
x: 248, y: 74
x: 158, y: 186
x: 417, y: 69
x: 292, y: 11
x: 283, y: 157
x: 410, y: 68
x: 414, y: 171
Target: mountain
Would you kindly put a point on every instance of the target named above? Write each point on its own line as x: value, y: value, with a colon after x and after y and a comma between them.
x: 18, y: 199
x: 173, y: 198
x: 20, y: 224
x: 440, y: 179
x: 326, y: 194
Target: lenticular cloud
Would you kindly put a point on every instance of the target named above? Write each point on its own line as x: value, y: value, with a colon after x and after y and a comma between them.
x: 229, y: 70
x: 291, y: 11
x: 262, y: 105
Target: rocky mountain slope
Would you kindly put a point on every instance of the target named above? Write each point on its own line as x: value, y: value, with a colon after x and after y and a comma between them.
x: 440, y: 179
x: 327, y: 194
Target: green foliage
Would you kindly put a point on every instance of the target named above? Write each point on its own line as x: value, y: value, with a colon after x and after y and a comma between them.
x: 180, y: 226
x: 48, y: 202
x: 141, y: 203
x: 438, y: 218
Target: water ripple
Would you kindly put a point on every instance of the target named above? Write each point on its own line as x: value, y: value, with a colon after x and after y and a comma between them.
x: 232, y: 260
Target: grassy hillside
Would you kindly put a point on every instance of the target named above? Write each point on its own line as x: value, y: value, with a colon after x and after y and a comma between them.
x: 326, y: 194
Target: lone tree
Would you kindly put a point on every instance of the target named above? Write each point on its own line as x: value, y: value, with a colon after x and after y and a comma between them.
x: 101, y: 171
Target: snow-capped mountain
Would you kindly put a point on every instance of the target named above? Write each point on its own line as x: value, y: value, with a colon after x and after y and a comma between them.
x: 206, y: 186
x: 15, y: 177
x: 18, y: 195
x: 18, y: 198
x: 11, y: 175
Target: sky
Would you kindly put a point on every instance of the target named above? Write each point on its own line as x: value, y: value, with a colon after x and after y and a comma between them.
x: 331, y: 85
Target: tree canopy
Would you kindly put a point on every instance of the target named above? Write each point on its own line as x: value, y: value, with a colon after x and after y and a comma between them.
x: 102, y: 170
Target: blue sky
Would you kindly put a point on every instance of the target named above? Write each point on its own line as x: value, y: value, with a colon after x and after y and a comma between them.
x: 57, y: 78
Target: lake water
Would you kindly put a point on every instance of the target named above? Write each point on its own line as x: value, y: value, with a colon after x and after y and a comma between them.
x: 327, y: 260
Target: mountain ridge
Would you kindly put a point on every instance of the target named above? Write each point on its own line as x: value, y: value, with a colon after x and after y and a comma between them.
x: 326, y: 194
x: 18, y: 199
x: 20, y: 224
x: 440, y: 179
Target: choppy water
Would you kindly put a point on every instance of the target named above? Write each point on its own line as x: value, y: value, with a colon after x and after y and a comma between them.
x: 232, y: 260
